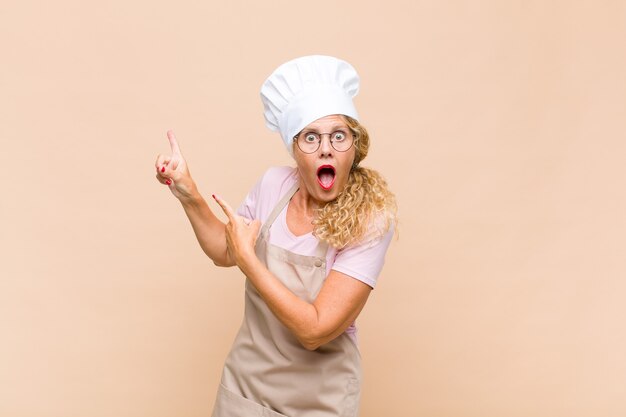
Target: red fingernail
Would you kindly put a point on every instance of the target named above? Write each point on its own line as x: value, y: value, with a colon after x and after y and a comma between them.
x: 213, y: 195
x: 168, y: 182
x: 162, y: 169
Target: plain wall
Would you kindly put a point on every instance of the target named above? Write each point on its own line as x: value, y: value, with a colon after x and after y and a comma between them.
x: 498, y: 124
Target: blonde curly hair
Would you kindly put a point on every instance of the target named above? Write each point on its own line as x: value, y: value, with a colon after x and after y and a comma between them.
x: 365, y: 209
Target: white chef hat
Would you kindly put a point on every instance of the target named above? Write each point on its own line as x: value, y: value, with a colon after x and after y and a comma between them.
x: 305, y: 89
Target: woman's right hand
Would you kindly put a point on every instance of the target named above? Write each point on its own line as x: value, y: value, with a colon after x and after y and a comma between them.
x: 172, y: 171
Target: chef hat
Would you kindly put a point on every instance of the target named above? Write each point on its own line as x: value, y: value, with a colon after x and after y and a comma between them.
x: 305, y: 89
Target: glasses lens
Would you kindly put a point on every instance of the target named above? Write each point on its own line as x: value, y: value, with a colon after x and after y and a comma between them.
x: 341, y: 141
x: 308, y: 142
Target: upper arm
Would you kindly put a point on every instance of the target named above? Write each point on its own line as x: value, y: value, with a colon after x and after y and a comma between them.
x: 348, y: 285
x: 338, y: 304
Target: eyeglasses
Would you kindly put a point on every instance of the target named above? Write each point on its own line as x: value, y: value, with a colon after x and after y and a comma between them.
x: 309, y: 142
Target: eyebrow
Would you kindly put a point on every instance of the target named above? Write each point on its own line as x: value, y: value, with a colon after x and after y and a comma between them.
x: 332, y: 129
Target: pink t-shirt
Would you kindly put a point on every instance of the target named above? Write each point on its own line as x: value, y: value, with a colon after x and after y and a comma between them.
x: 363, y: 261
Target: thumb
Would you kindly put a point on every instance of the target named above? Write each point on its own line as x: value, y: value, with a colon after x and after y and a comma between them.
x: 168, y: 171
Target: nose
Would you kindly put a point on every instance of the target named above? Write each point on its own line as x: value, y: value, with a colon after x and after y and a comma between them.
x: 326, y: 149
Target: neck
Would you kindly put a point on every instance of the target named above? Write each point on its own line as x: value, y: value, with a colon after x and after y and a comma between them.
x: 303, y: 202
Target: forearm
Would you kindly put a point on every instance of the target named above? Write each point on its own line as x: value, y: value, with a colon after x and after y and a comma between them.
x: 299, y: 316
x: 336, y: 306
x: 312, y: 324
x: 209, y: 230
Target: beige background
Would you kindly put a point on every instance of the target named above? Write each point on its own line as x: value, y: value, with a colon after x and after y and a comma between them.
x: 500, y: 126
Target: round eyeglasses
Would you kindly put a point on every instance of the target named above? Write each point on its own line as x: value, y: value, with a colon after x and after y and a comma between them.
x: 309, y: 142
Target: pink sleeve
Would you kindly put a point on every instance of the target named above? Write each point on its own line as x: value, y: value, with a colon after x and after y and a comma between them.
x: 248, y: 206
x: 365, y: 261
x: 266, y: 193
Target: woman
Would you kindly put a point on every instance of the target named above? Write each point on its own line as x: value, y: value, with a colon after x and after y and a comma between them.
x: 311, y: 241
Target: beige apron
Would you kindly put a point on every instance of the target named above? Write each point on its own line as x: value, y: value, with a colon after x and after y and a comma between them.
x: 268, y: 372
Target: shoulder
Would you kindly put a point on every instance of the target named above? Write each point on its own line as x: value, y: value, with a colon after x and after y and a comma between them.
x: 279, y: 175
x: 268, y: 190
x: 379, y: 233
x: 379, y: 229
x: 276, y: 181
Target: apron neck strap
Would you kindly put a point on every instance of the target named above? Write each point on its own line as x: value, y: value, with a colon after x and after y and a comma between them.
x: 322, y: 247
x: 278, y: 208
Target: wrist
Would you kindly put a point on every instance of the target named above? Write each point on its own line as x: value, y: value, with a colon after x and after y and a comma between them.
x: 246, y: 259
x: 192, y: 198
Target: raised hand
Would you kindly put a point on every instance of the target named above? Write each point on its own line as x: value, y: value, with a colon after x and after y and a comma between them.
x: 241, y: 233
x: 172, y: 171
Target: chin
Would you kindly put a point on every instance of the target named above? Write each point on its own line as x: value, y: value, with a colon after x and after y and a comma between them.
x: 326, y: 196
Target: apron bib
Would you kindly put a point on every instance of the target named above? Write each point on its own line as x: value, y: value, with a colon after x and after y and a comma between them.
x: 268, y: 372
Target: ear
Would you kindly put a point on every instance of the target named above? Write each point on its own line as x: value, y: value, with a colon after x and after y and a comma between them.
x: 355, y: 164
x: 357, y: 157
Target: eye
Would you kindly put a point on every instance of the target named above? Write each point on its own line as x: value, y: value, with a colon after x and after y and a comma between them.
x: 339, y: 136
x: 310, y: 138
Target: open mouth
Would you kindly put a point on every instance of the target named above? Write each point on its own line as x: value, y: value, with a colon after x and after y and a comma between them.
x: 326, y: 176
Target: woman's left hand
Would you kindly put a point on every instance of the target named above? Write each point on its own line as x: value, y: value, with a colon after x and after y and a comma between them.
x: 241, y: 233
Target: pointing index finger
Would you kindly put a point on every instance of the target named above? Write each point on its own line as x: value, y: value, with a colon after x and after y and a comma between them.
x: 173, y: 142
x: 226, y: 207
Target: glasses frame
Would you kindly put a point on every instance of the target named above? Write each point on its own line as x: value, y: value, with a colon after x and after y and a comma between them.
x: 321, y: 136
